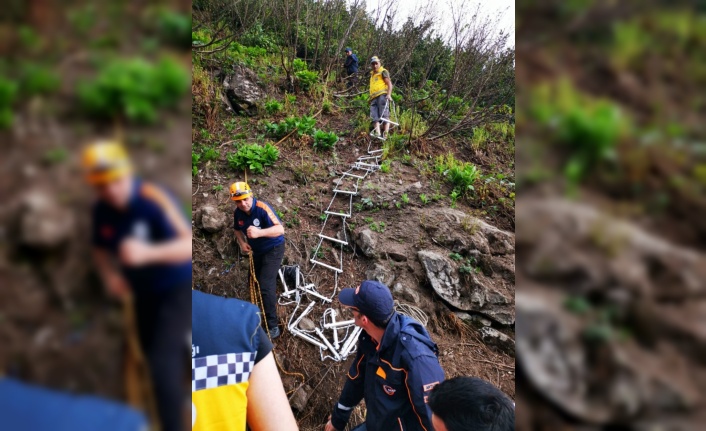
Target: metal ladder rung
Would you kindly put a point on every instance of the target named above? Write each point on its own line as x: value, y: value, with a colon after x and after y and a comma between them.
x: 367, y: 165
x: 375, y: 151
x: 367, y: 157
x: 388, y: 121
x: 337, y: 214
x: 354, y: 176
x: 333, y: 239
x: 348, y: 192
x: 316, y: 262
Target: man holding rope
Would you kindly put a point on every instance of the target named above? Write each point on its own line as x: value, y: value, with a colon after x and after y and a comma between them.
x: 380, y: 96
x: 259, y: 231
x: 395, y: 368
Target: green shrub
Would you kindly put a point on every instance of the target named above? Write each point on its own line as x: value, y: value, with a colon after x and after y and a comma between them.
x: 195, y: 159
x: 480, y: 138
x: 38, y: 79
x: 299, y: 65
x: 273, y: 107
x: 307, y: 79
x: 303, y: 125
x: 324, y: 140
x: 134, y: 88
x: 8, y: 91
x: 254, y: 157
x: 462, y: 175
x: 210, y: 153
x: 174, y: 27
x: 412, y: 122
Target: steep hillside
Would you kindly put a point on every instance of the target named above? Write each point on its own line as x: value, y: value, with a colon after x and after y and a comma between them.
x: 435, y: 222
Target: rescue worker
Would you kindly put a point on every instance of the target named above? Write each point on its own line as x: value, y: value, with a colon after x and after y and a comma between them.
x: 395, y: 368
x: 471, y: 404
x: 259, y: 231
x: 234, y: 378
x: 142, y: 249
x: 380, y: 97
x: 351, y: 66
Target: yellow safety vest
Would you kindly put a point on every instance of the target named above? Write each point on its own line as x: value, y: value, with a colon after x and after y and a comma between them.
x: 377, y: 84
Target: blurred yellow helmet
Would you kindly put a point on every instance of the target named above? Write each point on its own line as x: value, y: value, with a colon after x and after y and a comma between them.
x: 105, y: 161
x: 240, y: 191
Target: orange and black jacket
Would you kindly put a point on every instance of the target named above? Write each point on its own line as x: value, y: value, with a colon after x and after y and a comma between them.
x: 395, y: 378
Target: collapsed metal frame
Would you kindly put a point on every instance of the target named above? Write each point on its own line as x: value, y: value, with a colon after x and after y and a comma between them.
x: 338, y: 348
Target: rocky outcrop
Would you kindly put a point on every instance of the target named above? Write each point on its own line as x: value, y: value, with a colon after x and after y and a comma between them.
x: 242, y: 93
x: 471, y: 291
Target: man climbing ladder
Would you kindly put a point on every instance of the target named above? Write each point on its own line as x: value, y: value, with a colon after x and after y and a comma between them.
x: 259, y: 231
x: 380, y: 97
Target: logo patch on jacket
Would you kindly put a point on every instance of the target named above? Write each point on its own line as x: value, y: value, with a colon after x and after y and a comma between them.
x: 389, y: 390
x: 430, y: 386
x: 241, y: 223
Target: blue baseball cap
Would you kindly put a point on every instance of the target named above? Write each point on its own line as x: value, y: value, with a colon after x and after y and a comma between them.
x: 371, y: 298
x: 349, y: 49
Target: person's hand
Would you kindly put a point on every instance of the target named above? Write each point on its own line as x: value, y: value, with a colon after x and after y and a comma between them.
x: 134, y: 252
x: 245, y: 247
x: 389, y: 97
x: 329, y: 425
x: 253, y: 232
x: 117, y: 286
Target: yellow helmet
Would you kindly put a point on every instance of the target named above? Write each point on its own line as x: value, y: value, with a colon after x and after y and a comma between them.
x: 105, y: 161
x: 240, y: 191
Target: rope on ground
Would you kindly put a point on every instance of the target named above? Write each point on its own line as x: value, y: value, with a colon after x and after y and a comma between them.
x: 256, y: 298
x: 412, y: 311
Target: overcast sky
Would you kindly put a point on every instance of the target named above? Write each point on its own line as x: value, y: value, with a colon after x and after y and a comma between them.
x: 504, y: 10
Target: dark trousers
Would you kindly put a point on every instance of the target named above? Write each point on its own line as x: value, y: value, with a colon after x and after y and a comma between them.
x: 352, y: 79
x: 361, y: 427
x: 164, y: 321
x: 266, y: 267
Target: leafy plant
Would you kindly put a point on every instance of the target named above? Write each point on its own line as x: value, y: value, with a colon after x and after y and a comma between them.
x: 307, y: 79
x: 217, y: 188
x: 273, y: 107
x: 385, y: 167
x: 425, y: 200
x: 299, y: 65
x: 456, y: 257
x: 134, y: 88
x: 404, y: 198
x: 412, y: 122
x: 378, y: 227
x: 56, y: 155
x: 324, y: 140
x: 38, y: 79
x: 195, y: 159
x: 462, y: 175
x: 480, y: 138
x: 8, y: 91
x: 254, y: 157
x: 174, y: 27
x: 303, y: 125
x: 210, y: 153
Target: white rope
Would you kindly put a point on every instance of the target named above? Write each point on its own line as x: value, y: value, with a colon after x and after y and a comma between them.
x: 412, y: 311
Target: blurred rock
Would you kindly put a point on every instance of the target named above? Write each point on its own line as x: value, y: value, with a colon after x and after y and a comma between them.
x: 225, y: 245
x: 382, y: 273
x: 44, y: 223
x: 242, y: 92
x: 212, y: 220
x: 473, y: 318
x: 307, y: 324
x: 300, y: 398
x: 365, y: 240
x: 493, y: 337
x: 472, y: 292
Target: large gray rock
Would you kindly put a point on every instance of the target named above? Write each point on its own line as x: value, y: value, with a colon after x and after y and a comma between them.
x: 300, y: 398
x: 492, y: 296
x: 212, y: 220
x: 382, y: 273
x: 366, y: 242
x: 493, y: 337
x: 242, y: 93
x: 44, y: 223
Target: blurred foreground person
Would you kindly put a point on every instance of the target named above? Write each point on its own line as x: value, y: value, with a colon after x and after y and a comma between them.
x: 259, y: 231
x: 395, y: 368
x: 142, y: 249
x: 470, y: 404
x: 234, y: 378
x: 31, y: 408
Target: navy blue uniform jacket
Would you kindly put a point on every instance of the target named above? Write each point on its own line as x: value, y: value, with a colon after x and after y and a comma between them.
x: 395, y: 379
x: 351, y: 64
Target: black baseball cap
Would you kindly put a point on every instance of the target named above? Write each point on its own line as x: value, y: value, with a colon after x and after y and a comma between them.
x: 371, y: 298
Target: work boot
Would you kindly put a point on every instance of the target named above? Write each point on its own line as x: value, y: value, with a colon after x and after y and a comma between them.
x: 274, y: 332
